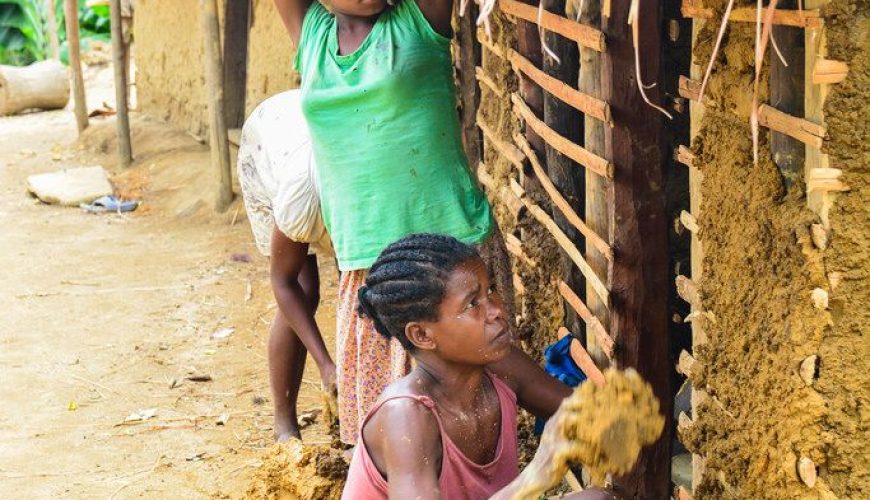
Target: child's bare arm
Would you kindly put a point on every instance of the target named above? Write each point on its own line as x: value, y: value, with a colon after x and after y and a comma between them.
x: 536, y: 391
x: 292, y: 14
x: 438, y: 13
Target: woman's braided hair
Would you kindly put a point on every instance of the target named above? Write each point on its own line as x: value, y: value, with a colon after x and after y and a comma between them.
x: 407, y: 282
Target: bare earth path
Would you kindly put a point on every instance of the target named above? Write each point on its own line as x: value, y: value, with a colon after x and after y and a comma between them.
x: 104, y: 316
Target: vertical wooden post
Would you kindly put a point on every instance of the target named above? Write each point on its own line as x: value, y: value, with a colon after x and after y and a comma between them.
x: 599, y: 192
x: 125, y: 151
x: 696, y: 251
x: 51, y: 15
x: 567, y: 176
x: 218, y: 142
x: 71, y: 13
x: 787, y: 95
x: 469, y: 94
x: 639, y: 290
x: 529, y: 45
x: 814, y: 102
x: 236, y: 23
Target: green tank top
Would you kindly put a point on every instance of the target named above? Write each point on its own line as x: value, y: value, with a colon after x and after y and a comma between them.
x: 386, y: 135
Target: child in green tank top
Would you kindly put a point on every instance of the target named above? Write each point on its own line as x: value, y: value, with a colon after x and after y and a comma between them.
x: 379, y: 99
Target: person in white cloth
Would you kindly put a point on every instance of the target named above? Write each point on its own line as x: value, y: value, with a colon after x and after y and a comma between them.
x: 279, y: 185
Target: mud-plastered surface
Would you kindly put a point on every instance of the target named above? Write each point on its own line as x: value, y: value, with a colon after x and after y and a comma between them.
x: 297, y: 471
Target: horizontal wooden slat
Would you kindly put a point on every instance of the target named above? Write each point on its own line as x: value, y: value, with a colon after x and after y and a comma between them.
x: 605, y: 341
x: 688, y: 291
x: 584, y: 103
x: 685, y: 156
x: 685, y: 363
x: 510, y: 152
x: 582, y: 358
x: 688, y: 88
x: 829, y: 71
x: 503, y: 193
x: 584, y: 35
x: 488, y: 82
x: 562, y: 239
x: 577, y: 153
x: 803, y: 130
x: 783, y: 17
x: 560, y: 202
x: 515, y: 247
x: 486, y: 43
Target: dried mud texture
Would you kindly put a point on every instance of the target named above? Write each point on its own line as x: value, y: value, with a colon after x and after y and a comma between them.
x: 759, y: 270
x: 171, y: 67
x: 602, y: 427
x: 297, y: 471
x: 270, y: 56
x: 845, y: 350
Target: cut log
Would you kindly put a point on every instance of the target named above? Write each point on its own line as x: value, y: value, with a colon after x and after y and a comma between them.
x: 44, y: 85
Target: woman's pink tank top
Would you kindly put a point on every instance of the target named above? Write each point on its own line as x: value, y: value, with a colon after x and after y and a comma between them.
x: 460, y: 477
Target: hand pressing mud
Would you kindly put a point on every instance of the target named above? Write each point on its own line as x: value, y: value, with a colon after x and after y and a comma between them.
x: 602, y: 427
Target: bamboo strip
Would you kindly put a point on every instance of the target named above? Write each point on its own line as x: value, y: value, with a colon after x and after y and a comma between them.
x: 577, y: 153
x: 580, y: 101
x: 688, y: 88
x: 563, y: 205
x: 685, y: 363
x: 685, y: 156
x: 510, y: 152
x: 564, y: 242
x: 605, y: 341
x: 486, y: 80
x: 783, y: 17
x: 515, y: 247
x: 582, y: 358
x: 829, y: 71
x: 584, y: 35
x: 805, y: 131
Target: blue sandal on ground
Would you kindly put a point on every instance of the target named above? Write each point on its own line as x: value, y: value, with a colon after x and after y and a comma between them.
x: 109, y: 204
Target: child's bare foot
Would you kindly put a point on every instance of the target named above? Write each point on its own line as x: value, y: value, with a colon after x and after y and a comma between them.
x: 286, y: 429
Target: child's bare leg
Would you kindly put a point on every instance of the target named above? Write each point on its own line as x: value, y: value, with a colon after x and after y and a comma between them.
x: 287, y: 358
x: 286, y: 364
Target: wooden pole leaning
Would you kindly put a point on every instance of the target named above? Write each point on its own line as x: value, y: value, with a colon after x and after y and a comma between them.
x: 218, y: 142
x: 125, y: 151
x: 71, y: 15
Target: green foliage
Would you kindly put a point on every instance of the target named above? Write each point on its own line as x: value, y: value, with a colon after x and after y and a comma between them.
x: 24, y: 32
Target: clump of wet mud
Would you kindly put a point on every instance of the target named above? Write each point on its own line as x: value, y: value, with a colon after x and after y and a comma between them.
x: 760, y: 418
x: 602, y: 427
x: 297, y: 471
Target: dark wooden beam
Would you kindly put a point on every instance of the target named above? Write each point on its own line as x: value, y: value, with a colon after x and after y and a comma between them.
x: 787, y: 95
x: 568, y: 177
x: 639, y: 287
x: 469, y: 93
x: 529, y: 45
x: 236, y: 23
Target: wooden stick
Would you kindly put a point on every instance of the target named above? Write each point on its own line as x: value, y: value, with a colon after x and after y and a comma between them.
x: 515, y: 247
x: 582, y: 34
x: 688, y: 88
x: 220, y: 152
x: 685, y: 156
x: 560, y: 202
x: 564, y: 242
x: 605, y: 341
x: 580, y: 101
x: 685, y: 363
x: 486, y: 80
x: 826, y: 179
x: 782, y: 17
x: 125, y: 151
x: 484, y: 177
x: 582, y: 358
x: 519, y: 288
x: 504, y: 148
x: 71, y: 13
x: 684, y: 423
x: 508, y: 198
x: 805, y: 131
x: 829, y: 71
x: 577, y: 153
x: 52, y: 29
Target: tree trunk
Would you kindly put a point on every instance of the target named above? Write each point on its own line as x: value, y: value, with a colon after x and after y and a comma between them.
x: 44, y: 85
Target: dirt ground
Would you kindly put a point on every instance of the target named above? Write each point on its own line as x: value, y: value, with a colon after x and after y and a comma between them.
x: 106, y: 316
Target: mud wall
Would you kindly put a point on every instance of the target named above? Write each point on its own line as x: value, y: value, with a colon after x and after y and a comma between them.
x: 760, y: 266
x: 170, y: 75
